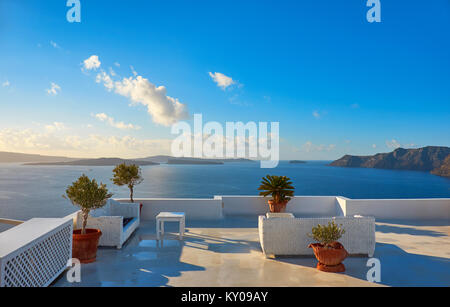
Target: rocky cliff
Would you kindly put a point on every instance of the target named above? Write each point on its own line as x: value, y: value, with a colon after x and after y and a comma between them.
x: 428, y: 158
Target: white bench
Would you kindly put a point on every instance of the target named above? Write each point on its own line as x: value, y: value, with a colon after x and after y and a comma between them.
x: 179, y: 217
x: 110, y: 220
x: 289, y: 236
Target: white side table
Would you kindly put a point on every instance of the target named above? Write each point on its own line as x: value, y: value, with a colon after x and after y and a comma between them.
x: 169, y: 217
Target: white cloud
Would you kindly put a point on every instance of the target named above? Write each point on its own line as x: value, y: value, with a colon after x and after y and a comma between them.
x: 55, y: 45
x: 54, y: 89
x: 222, y: 81
x: 133, y: 71
x: 56, y: 126
x: 316, y: 114
x: 374, y: 146
x: 92, y: 62
x: 6, y: 84
x: 163, y: 109
x: 117, y: 64
x: 119, y: 125
x: 393, y: 144
x: 82, y: 146
x: 107, y: 81
x: 310, y: 147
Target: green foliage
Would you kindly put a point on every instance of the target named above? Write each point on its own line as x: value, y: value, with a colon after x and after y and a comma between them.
x: 327, y: 234
x: 129, y: 175
x: 88, y: 195
x: 280, y: 187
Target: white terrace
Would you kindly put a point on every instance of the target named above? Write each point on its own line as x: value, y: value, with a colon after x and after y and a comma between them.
x: 221, y: 246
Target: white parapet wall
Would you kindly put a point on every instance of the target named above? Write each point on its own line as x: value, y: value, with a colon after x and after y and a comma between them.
x: 302, y: 206
x: 195, y: 209
x: 404, y: 209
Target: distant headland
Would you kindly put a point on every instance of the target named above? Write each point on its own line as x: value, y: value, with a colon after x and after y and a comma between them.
x: 434, y: 159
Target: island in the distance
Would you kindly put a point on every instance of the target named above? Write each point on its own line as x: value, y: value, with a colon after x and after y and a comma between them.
x: 434, y: 159
x: 297, y: 162
x: 97, y: 162
x: 190, y: 160
x: 34, y: 159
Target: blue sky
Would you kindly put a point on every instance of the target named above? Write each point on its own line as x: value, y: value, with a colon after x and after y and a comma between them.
x: 336, y: 83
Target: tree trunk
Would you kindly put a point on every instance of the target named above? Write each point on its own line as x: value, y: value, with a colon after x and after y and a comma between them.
x: 85, y: 215
x: 131, y: 194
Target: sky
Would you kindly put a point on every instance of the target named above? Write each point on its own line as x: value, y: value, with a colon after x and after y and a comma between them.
x: 113, y: 84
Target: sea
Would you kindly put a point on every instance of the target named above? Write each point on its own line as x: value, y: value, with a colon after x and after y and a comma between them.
x: 36, y: 191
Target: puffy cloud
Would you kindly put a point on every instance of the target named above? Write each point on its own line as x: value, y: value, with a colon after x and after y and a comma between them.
x: 82, y: 146
x: 119, y: 125
x: 393, y: 144
x: 316, y: 114
x: 92, y: 62
x: 164, y: 109
x: 6, y: 84
x: 107, y: 81
x: 222, y: 81
x: 374, y: 146
x: 54, y: 89
x: 56, y: 126
x: 112, y: 72
x: 310, y: 147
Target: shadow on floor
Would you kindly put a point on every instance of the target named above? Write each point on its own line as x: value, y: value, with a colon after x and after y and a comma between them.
x: 408, y: 230
x: 398, y: 268
x: 221, y: 245
x: 415, y: 223
x: 142, y: 262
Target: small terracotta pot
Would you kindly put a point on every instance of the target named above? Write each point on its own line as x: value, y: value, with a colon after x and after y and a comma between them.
x: 330, y: 258
x: 277, y: 207
x: 84, y: 247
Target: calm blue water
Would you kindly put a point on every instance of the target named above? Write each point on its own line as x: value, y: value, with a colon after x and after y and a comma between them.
x: 36, y: 191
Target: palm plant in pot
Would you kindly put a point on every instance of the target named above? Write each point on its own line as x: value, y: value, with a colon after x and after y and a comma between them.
x: 328, y: 251
x: 281, y: 190
x: 88, y: 195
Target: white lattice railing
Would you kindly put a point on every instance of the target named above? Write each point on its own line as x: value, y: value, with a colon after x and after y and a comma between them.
x: 35, y: 253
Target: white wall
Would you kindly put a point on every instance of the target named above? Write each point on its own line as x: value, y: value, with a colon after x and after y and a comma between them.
x: 306, y: 206
x: 405, y: 209
x: 301, y: 205
x: 341, y: 205
x: 195, y: 209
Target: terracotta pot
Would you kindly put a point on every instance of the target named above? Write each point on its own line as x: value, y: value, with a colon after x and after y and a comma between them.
x: 84, y: 247
x: 330, y: 258
x: 277, y: 207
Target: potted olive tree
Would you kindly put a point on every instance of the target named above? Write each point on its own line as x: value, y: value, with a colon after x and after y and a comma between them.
x: 281, y: 190
x: 328, y: 251
x: 88, y: 195
x: 129, y: 175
